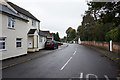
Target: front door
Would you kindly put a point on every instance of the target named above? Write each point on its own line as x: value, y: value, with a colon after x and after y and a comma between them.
x: 30, y: 42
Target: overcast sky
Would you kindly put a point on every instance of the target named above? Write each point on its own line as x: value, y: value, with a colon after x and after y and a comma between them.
x: 55, y: 15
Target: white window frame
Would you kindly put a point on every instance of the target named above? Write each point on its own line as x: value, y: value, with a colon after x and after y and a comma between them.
x: 20, y: 40
x: 11, y: 23
x: 33, y: 23
x: 3, y: 41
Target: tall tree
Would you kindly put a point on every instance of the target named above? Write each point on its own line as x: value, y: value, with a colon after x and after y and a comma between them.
x: 72, y: 34
x: 68, y: 33
x: 56, y: 36
x: 106, y: 12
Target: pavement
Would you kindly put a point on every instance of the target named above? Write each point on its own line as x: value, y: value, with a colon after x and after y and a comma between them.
x: 30, y: 56
x: 73, y: 62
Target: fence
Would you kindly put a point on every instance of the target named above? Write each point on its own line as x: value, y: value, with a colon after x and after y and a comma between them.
x: 104, y: 45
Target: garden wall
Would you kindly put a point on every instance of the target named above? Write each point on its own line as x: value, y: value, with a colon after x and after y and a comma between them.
x: 103, y: 45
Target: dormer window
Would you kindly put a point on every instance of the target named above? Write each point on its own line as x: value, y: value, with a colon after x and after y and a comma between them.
x: 11, y: 22
x: 33, y: 23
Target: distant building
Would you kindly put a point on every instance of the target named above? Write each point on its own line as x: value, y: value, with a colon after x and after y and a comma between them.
x: 50, y: 36
x: 42, y: 40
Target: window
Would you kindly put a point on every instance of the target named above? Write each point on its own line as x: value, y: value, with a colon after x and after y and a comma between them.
x: 33, y: 23
x: 11, y: 22
x: 2, y: 43
x: 18, y: 42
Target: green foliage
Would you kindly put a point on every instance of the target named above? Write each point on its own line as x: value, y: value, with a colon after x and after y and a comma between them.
x: 64, y: 39
x: 113, y: 34
x: 95, y: 32
x: 56, y: 36
x: 100, y: 22
x: 105, y: 12
x: 71, y: 33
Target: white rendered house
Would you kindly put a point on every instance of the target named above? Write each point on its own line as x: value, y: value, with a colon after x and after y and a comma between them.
x: 19, y: 31
x: 13, y: 36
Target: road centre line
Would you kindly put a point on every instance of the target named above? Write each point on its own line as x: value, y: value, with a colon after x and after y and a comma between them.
x: 66, y: 63
x: 74, y: 53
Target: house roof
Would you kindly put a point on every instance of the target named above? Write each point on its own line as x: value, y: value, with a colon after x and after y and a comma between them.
x: 42, y: 33
x: 48, y: 33
x: 32, y: 31
x: 8, y: 11
x: 22, y: 11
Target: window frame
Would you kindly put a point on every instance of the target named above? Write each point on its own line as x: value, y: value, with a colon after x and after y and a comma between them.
x: 18, y: 40
x: 11, y: 23
x: 33, y: 22
x: 3, y: 41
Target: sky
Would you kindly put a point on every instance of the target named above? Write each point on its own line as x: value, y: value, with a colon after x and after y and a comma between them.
x: 55, y: 15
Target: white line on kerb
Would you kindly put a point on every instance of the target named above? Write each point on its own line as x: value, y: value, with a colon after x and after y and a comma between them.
x: 74, y: 53
x: 106, y: 77
x: 66, y: 63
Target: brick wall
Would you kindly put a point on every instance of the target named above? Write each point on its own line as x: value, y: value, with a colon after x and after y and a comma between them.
x: 103, y: 45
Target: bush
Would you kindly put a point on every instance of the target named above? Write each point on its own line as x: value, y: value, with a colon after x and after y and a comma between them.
x: 113, y: 34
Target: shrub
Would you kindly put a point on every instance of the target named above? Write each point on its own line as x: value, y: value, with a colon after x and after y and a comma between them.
x: 113, y: 34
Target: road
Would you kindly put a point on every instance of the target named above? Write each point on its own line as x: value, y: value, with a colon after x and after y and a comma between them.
x: 74, y: 61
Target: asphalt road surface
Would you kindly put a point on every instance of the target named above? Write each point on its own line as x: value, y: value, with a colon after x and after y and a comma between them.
x: 74, y: 61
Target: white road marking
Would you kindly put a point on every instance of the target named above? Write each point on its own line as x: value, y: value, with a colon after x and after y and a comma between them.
x: 87, y: 76
x: 81, y: 75
x: 74, y: 53
x: 106, y: 77
x: 66, y: 63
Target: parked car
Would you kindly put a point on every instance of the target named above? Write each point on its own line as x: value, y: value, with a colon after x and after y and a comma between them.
x: 51, y: 44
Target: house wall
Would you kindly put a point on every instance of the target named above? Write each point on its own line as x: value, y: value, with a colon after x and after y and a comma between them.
x: 36, y: 42
x: 42, y: 43
x: 0, y: 33
x: 20, y: 31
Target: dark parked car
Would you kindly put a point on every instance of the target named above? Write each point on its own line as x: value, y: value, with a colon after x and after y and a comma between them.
x: 51, y: 45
